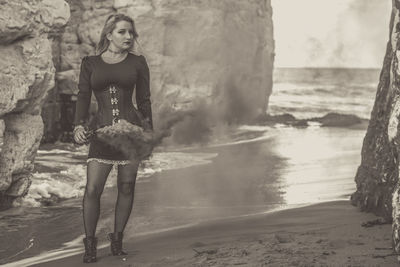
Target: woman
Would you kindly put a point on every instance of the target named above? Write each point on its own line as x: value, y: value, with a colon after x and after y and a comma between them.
x: 112, y: 74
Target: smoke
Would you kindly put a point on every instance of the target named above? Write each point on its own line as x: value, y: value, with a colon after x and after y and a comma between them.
x: 237, y: 101
x: 323, y: 33
x: 361, y: 33
x: 195, y: 127
x: 209, y: 119
x: 185, y: 127
x: 132, y: 140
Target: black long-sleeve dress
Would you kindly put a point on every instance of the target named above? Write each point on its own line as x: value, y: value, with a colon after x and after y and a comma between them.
x: 113, y: 86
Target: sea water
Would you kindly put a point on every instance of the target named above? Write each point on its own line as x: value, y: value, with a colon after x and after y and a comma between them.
x: 314, y: 92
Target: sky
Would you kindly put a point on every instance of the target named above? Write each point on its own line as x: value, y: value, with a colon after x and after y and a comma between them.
x: 331, y: 33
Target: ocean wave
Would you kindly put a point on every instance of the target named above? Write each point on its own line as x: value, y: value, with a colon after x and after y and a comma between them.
x: 62, y: 177
x: 331, y: 119
x: 173, y: 160
x: 48, y: 188
x: 307, y: 93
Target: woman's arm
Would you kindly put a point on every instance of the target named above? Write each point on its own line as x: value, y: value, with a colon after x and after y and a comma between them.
x: 84, y: 94
x: 143, y: 93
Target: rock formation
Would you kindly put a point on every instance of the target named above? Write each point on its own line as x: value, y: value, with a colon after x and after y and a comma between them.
x: 26, y: 76
x: 218, y: 53
x: 377, y: 177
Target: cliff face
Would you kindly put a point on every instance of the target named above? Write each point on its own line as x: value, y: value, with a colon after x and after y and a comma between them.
x: 377, y: 177
x: 26, y: 76
x: 219, y: 53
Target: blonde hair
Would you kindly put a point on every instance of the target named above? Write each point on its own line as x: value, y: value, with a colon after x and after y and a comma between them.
x: 109, y: 26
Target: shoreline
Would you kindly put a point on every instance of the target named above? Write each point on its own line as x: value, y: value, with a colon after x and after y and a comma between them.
x: 69, y: 251
x: 328, y: 233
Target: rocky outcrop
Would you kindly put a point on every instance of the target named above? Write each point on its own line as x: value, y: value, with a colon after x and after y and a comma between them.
x: 219, y: 53
x: 26, y: 76
x: 377, y: 177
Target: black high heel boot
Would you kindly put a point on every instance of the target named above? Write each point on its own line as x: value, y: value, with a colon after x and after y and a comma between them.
x: 116, y: 244
x: 90, y: 249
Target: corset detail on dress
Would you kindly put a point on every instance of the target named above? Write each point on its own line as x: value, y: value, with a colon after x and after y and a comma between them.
x: 114, y: 104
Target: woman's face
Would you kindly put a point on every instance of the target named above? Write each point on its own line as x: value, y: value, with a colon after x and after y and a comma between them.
x: 121, y: 38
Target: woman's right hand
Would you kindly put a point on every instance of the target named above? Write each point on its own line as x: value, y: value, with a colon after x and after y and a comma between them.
x: 80, y: 134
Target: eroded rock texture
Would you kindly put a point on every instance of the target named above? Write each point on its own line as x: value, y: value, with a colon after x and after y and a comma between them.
x: 26, y: 76
x: 219, y: 52
x: 377, y: 177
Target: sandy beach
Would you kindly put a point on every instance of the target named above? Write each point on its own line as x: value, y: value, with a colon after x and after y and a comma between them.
x: 326, y: 234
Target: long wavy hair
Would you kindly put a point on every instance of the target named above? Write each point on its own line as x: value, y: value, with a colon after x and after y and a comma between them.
x: 109, y: 26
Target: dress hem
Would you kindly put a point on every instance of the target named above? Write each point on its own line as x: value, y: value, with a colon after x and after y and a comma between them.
x: 109, y: 161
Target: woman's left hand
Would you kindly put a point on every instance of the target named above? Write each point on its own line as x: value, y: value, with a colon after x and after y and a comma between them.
x: 80, y: 134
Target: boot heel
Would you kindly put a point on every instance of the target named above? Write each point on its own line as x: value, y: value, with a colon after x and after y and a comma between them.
x: 116, y: 244
x: 90, y: 249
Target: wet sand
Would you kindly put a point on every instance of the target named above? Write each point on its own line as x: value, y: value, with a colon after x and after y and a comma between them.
x: 326, y: 234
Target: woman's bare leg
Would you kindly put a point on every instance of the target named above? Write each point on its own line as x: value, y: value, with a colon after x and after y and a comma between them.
x: 97, y: 174
x: 126, y: 188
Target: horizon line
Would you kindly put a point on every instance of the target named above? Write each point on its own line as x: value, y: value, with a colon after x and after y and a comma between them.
x: 325, y: 67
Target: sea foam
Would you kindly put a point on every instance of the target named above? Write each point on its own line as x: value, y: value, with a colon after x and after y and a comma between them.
x: 65, y: 175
